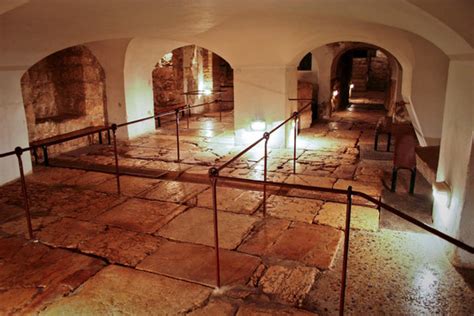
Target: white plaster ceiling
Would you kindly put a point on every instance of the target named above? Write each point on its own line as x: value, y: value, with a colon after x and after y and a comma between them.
x: 30, y: 30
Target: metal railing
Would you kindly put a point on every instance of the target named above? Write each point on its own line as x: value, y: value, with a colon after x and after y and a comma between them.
x: 214, y: 176
x: 177, y: 111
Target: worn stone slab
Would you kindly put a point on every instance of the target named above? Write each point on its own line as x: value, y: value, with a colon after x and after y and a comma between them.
x: 344, y: 171
x: 175, y: 191
x: 141, y: 215
x: 255, y: 174
x: 314, y: 245
x: 334, y: 214
x: 197, y: 226
x: 264, y: 236
x: 197, y: 263
x: 19, y: 226
x: 372, y: 189
x: 53, y: 176
x: 88, y: 179
x: 325, y: 182
x: 288, y: 285
x: 215, y: 307
x: 121, y: 246
x: 232, y: 200
x: 69, y: 232
x: 33, y: 275
x: 129, y: 186
x: 81, y: 204
x: 296, y: 209
x: 130, y: 292
x: 263, y: 309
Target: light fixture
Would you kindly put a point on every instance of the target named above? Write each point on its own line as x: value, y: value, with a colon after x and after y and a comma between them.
x: 351, y: 86
x: 207, y: 92
x: 258, y: 126
x: 442, y: 193
x: 335, y: 93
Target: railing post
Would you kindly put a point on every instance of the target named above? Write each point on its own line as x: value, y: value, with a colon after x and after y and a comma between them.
x: 19, y: 152
x: 265, y: 163
x: 188, y: 116
x: 295, y: 114
x: 213, y: 174
x: 345, y: 256
x: 117, y: 171
x: 177, y: 134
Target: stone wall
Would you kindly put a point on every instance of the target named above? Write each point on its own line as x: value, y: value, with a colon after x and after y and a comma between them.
x: 305, y: 91
x: 64, y: 92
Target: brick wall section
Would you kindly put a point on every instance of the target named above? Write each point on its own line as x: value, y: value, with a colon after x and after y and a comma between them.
x: 64, y: 92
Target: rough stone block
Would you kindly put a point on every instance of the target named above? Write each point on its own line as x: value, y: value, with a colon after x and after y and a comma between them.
x: 232, y: 200
x: 334, y: 214
x: 296, y: 209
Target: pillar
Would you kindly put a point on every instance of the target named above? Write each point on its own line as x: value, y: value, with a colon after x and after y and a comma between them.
x: 453, y: 211
x: 13, y: 126
x: 261, y: 94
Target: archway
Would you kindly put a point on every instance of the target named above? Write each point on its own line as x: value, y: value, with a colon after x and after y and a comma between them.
x: 192, y: 75
x: 64, y: 92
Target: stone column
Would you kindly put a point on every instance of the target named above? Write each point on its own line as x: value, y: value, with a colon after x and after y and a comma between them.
x: 261, y: 94
x: 455, y: 214
x: 12, y: 123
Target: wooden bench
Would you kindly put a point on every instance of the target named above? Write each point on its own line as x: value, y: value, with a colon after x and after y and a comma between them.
x: 54, y: 140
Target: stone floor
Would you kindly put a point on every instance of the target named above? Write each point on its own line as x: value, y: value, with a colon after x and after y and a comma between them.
x: 151, y: 249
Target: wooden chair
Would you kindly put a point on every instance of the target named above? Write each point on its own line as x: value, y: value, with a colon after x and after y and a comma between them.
x: 404, y: 156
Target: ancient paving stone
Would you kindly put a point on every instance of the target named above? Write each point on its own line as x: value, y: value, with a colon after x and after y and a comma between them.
x: 314, y: 245
x: 88, y: 179
x: 344, y: 171
x: 169, y: 166
x: 196, y: 263
x: 288, y: 285
x: 254, y: 174
x: 19, y: 226
x: 324, y: 182
x: 297, y: 209
x: 232, y: 200
x: 82, y: 205
x: 197, y: 226
x: 9, y: 212
x: 32, y: 275
x: 69, y: 232
x: 141, y: 215
x: 367, y: 188
x: 215, y: 307
x: 53, y: 176
x: 264, y: 236
x: 130, y: 186
x: 334, y: 214
x: 129, y: 291
x: 270, y: 310
x: 175, y: 191
x: 121, y: 246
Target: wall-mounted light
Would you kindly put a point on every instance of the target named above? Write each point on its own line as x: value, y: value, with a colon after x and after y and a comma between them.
x: 258, y: 126
x: 207, y: 92
x: 351, y: 86
x: 335, y: 93
x: 442, y: 193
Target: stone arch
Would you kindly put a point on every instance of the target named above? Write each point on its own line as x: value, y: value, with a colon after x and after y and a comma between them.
x: 63, y: 92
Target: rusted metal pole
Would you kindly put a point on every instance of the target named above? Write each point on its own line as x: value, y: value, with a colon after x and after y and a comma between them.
x: 213, y: 174
x: 117, y: 170
x: 295, y: 114
x: 177, y: 135
x: 187, y: 117
x: 265, y: 163
x: 345, y: 256
x: 19, y: 152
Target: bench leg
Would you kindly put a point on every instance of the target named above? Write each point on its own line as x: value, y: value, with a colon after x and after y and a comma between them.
x: 394, y: 179
x: 389, y: 141
x: 412, y: 181
x: 108, y: 137
x: 100, y: 138
x: 35, y: 154
x: 45, y: 155
x: 376, y: 141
